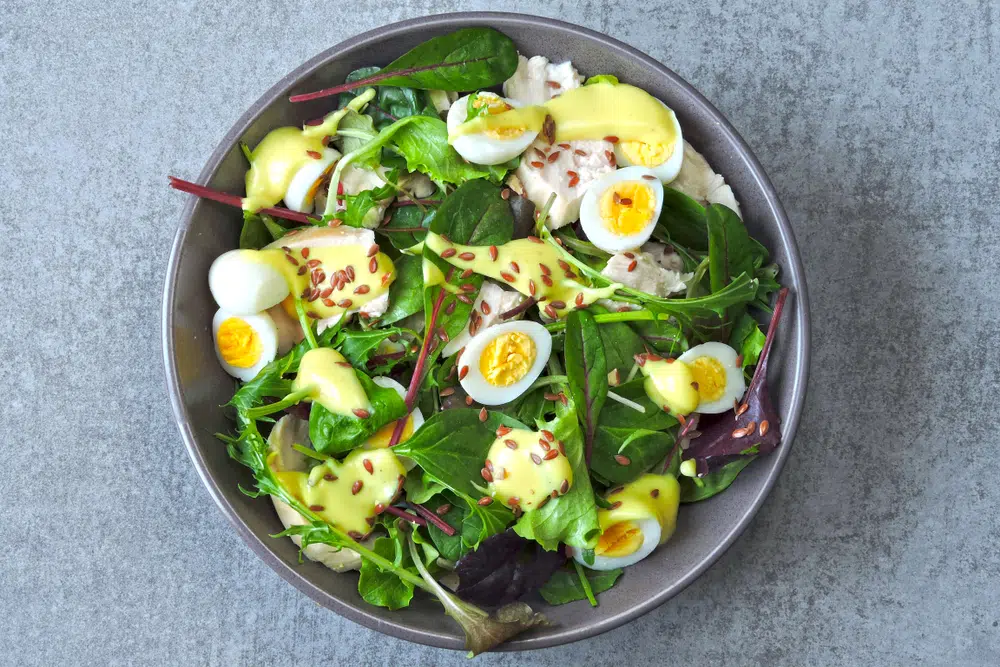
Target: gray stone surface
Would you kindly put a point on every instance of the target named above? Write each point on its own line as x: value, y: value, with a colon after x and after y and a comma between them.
x: 878, y: 126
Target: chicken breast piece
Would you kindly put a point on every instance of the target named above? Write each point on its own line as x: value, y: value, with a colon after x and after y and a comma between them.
x: 497, y: 300
x: 699, y: 181
x: 356, y: 180
x: 288, y: 431
x: 537, y: 80
x: 648, y: 272
x: 565, y: 169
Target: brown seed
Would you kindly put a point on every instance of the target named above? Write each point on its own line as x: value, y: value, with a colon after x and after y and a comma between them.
x: 535, y: 239
x: 487, y: 475
x: 553, y: 84
x: 507, y: 276
x: 739, y: 360
x: 448, y: 252
x: 305, y: 253
x: 564, y: 487
x: 511, y: 444
x: 563, y: 399
x: 505, y: 194
x: 544, y: 444
x: 549, y: 129
x: 463, y: 298
x: 494, y: 253
x: 514, y: 501
x: 373, y: 265
x: 539, y: 152
x: 617, y: 489
x: 743, y: 408
x: 545, y: 269
x: 314, y: 154
x: 503, y: 430
x: 629, y: 255
x: 442, y: 334
x: 544, y: 502
x: 640, y: 359
x: 682, y: 419
x: 330, y: 477
x: 694, y: 385
x: 316, y: 508
x: 450, y: 308
x: 313, y: 263
x: 355, y: 535
x: 579, y: 300
x: 326, y: 293
x: 615, y: 505
x: 368, y: 466
x: 313, y: 314
x: 362, y: 289
x: 549, y: 396
x: 536, y: 164
x: 581, y: 153
x: 443, y: 509
x: 655, y: 493
x: 484, y: 501
x: 292, y: 260
x: 286, y: 249
x: 515, y: 267
x: 447, y: 391
x: 344, y: 303
x: 373, y: 250
x: 562, y: 448
x: 462, y: 372
x: 765, y: 426
x: 313, y: 294
x: 551, y: 312
x: 379, y: 508
x: 610, y: 157
x: 302, y: 270
x: 558, y: 305
x: 361, y: 413
x: 548, y: 435
x: 649, y: 177
x: 469, y: 401
x: 625, y: 201
x: 349, y: 273
x: 328, y: 303
x: 356, y: 487
x: 531, y: 287
x: 467, y: 256
x: 483, y: 415
x: 551, y: 454
x: 467, y: 273
x: 611, y: 139
x: 345, y: 364
x: 536, y: 458
x: 467, y: 287
x: 740, y: 433
x: 547, y: 280
x: 622, y: 460
x: 485, y: 307
x: 553, y: 156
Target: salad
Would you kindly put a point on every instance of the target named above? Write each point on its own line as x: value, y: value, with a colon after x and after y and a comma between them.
x: 493, y: 323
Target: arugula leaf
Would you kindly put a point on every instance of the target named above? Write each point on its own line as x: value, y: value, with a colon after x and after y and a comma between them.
x: 682, y: 220
x: 714, y: 483
x: 450, y: 447
x: 333, y: 433
x: 406, y: 295
x: 571, y: 518
x: 565, y: 586
x: 587, y: 371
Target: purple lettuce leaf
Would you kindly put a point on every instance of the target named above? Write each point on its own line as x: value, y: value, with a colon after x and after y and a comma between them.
x: 504, y: 567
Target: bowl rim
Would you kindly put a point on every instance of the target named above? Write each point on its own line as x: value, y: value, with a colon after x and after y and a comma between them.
x: 377, y: 619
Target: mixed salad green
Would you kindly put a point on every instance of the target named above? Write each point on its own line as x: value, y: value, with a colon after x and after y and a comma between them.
x: 487, y: 344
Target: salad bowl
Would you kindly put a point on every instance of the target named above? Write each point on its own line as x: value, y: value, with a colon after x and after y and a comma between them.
x: 198, y: 386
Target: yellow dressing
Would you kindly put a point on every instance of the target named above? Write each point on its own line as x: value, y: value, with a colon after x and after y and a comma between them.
x: 331, y: 381
x: 507, y: 358
x: 589, y: 112
x: 627, y: 207
x: 344, y: 493
x: 239, y: 345
x: 284, y: 150
x: 669, y: 383
x: 649, y: 497
x: 522, y: 475
x: 519, y: 264
x: 710, y: 377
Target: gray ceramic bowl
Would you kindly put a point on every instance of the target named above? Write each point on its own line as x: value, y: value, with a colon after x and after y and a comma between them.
x: 198, y: 386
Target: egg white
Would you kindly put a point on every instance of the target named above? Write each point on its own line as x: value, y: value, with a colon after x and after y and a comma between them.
x: 476, y: 385
x: 479, y: 148
x: 590, y: 210
x: 650, y: 529
x: 267, y: 333
x: 303, y: 188
x: 244, y: 286
x: 667, y: 170
x: 735, y: 383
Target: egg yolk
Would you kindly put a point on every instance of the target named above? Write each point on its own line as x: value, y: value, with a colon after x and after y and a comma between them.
x: 239, y: 345
x: 627, y: 207
x: 507, y: 358
x: 491, y: 106
x: 382, y: 437
x: 619, y: 539
x: 710, y: 377
x: 646, y: 155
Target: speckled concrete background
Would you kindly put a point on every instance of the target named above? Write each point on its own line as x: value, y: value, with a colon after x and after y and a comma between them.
x: 878, y: 126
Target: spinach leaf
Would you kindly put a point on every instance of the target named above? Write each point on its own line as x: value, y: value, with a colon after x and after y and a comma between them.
x: 423, y: 141
x: 565, y: 586
x: 662, y: 336
x: 333, y: 433
x: 616, y: 415
x: 682, y: 220
x: 714, y: 483
x: 391, y: 102
x: 384, y: 588
x: 503, y: 568
x: 621, y: 343
x: 450, y: 447
x: 639, y: 437
x: 407, y: 225
x: 406, y: 294
x: 571, y: 518
x: 451, y: 547
x: 748, y: 339
x: 730, y: 249
x: 587, y: 371
x: 254, y: 234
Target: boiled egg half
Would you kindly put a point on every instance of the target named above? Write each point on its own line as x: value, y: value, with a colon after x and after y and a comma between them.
x: 242, y: 284
x: 308, y: 180
x: 492, y: 146
x: 244, y: 343
x: 619, y: 210
x: 500, y: 363
x: 718, y: 374
x: 663, y: 159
